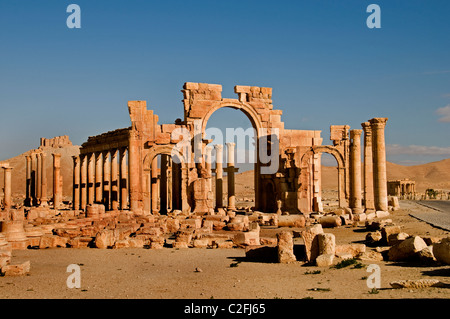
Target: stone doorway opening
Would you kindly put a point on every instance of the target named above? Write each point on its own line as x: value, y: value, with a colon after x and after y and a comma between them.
x: 164, y: 180
x: 229, y: 125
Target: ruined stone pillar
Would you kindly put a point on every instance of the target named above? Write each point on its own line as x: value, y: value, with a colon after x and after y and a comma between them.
x: 169, y: 184
x: 135, y: 171
x: 379, y: 163
x: 7, y: 192
x: 219, y: 175
x: 114, y: 180
x: 76, y: 182
x: 355, y: 171
x: 368, y: 167
x: 38, y: 178
x: 83, y: 197
x: 44, y: 199
x: 230, y: 177
x: 33, y: 186
x: 154, y: 173
x: 208, y: 160
x: 106, y: 180
x: 57, y: 186
x: 99, y: 177
x: 91, y: 178
x: 123, y: 178
x: 163, y: 185
x: 28, y: 199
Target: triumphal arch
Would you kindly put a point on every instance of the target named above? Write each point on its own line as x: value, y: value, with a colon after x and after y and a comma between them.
x: 153, y: 168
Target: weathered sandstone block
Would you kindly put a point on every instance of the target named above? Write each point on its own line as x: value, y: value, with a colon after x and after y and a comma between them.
x: 330, y: 221
x: 285, y: 247
x: 441, y: 251
x: 326, y: 243
x: 407, y: 248
x: 311, y: 243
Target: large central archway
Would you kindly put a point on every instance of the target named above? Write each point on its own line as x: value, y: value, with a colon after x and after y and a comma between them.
x: 229, y: 125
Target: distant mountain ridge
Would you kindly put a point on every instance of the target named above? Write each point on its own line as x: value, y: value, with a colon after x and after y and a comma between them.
x: 434, y: 175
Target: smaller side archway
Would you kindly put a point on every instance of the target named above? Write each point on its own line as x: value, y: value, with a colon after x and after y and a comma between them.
x: 159, y: 183
x: 342, y: 179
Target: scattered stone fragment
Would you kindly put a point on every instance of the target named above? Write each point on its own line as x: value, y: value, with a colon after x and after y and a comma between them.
x: 441, y: 251
x: 418, y: 283
x: 325, y: 260
x: 285, y: 247
x: 406, y: 249
x: 16, y: 270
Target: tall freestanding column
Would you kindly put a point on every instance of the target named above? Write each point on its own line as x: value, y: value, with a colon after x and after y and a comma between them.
x: 76, y: 182
x: 98, y: 177
x: 57, y: 182
x: 28, y: 200
x: 230, y: 177
x: 106, y: 179
x: 355, y: 171
x: 154, y: 185
x: 135, y: 171
x: 114, y: 180
x: 368, y: 167
x: 84, y: 181
x: 163, y: 185
x: 208, y: 151
x: 44, y: 199
x: 7, y: 194
x: 379, y: 163
x: 219, y: 175
x: 123, y: 178
x: 91, y: 178
x: 38, y: 178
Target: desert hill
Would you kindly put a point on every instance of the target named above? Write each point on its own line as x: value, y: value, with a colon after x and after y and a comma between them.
x: 434, y: 175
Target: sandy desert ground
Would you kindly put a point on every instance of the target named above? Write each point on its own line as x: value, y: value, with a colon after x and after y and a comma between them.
x: 224, y: 273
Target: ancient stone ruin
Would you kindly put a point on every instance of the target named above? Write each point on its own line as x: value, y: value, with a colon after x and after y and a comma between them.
x: 155, y: 185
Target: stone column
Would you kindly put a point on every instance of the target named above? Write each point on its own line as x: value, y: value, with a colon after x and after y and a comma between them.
x: 57, y: 186
x: 33, y: 180
x: 83, y: 185
x: 379, y: 163
x: 7, y: 191
x: 163, y: 185
x: 154, y: 173
x: 106, y: 180
x: 123, y: 178
x: 230, y: 176
x: 38, y: 178
x: 91, y: 178
x: 114, y: 180
x: 208, y: 151
x: 135, y: 168
x: 28, y: 199
x: 368, y: 168
x: 219, y: 175
x: 44, y: 199
x: 76, y: 182
x: 98, y: 177
x: 355, y: 171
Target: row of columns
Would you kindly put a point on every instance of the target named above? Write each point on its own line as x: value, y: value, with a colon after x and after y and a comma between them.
x: 36, y: 180
x: 230, y: 169
x: 101, y: 177
x: 375, y: 180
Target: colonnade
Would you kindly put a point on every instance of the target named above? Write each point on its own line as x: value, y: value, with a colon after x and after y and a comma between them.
x: 101, y: 177
x: 375, y: 181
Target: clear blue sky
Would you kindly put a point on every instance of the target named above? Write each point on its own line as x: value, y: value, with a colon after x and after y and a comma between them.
x: 324, y: 64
